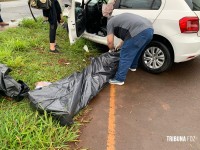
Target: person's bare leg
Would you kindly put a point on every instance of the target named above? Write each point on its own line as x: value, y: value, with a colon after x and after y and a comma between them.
x: 52, y: 46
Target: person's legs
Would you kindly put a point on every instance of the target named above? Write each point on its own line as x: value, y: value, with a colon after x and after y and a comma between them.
x: 146, y: 36
x: 1, y: 20
x: 129, y: 53
x: 2, y: 23
x: 53, y: 27
x: 52, y: 36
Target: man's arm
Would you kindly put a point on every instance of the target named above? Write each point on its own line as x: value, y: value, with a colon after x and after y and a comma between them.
x: 110, y: 41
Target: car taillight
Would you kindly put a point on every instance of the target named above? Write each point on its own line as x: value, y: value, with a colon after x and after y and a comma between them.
x: 189, y: 24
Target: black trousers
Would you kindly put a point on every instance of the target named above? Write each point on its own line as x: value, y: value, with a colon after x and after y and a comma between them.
x: 52, y: 32
x: 1, y: 20
x: 53, y: 15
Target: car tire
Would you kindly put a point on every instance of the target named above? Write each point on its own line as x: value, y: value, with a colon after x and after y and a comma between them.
x: 156, y: 58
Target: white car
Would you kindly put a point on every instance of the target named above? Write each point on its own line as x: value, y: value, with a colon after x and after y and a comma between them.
x: 176, y: 28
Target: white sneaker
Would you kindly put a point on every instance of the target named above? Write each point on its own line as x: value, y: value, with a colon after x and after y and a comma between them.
x: 113, y: 81
x: 132, y: 69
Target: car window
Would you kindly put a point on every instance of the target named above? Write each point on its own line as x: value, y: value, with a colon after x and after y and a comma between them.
x: 193, y: 4
x: 140, y: 4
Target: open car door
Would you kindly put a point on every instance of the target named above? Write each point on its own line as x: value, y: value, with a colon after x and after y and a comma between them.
x: 76, y: 20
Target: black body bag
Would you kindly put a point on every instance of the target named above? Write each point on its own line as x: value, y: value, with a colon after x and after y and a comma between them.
x: 9, y: 87
x: 65, y: 98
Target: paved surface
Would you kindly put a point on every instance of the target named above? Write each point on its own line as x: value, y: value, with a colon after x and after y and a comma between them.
x: 145, y: 113
x: 14, y: 11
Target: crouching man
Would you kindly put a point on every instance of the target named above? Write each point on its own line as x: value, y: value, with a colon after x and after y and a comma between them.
x: 135, y: 33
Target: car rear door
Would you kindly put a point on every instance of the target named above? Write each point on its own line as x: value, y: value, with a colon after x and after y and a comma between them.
x: 76, y: 20
x: 149, y: 9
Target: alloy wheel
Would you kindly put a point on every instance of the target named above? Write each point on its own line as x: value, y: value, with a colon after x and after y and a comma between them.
x: 154, y: 57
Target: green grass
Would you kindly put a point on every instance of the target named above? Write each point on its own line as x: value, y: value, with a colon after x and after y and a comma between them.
x: 25, y: 50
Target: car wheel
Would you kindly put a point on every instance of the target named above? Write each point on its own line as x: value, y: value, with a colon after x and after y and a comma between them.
x: 156, y: 58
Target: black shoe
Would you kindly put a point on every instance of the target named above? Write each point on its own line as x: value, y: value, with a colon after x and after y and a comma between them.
x: 54, y: 51
x: 4, y: 24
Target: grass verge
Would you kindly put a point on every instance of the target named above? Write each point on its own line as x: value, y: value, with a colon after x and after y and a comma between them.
x: 25, y: 50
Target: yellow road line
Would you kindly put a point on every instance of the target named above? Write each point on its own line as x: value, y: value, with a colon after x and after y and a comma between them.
x: 111, y: 120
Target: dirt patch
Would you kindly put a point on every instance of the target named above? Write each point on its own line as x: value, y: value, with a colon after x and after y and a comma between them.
x: 83, y: 118
x: 7, y: 27
x: 63, y: 62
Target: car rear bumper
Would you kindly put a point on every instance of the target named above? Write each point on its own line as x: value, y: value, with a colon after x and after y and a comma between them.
x: 186, y: 47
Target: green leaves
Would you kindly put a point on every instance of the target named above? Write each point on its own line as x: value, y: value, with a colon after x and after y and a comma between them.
x: 22, y: 128
x: 26, y: 50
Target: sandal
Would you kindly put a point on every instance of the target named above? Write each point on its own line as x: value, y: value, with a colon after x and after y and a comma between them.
x: 54, y: 51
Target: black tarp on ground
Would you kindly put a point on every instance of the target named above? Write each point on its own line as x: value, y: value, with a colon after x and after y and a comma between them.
x: 9, y: 87
x: 65, y: 98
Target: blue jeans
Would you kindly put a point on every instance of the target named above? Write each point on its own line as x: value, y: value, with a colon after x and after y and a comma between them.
x: 131, y: 51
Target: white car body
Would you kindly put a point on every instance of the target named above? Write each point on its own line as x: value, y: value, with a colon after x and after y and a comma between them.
x: 182, y: 46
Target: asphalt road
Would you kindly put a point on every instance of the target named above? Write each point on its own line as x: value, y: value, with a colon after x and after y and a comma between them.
x: 14, y: 11
x: 149, y: 112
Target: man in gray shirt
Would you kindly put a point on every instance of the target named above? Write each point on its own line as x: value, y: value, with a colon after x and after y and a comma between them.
x: 135, y: 33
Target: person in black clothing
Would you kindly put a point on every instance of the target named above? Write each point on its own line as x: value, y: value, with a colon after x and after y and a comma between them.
x: 2, y: 23
x: 54, y: 16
